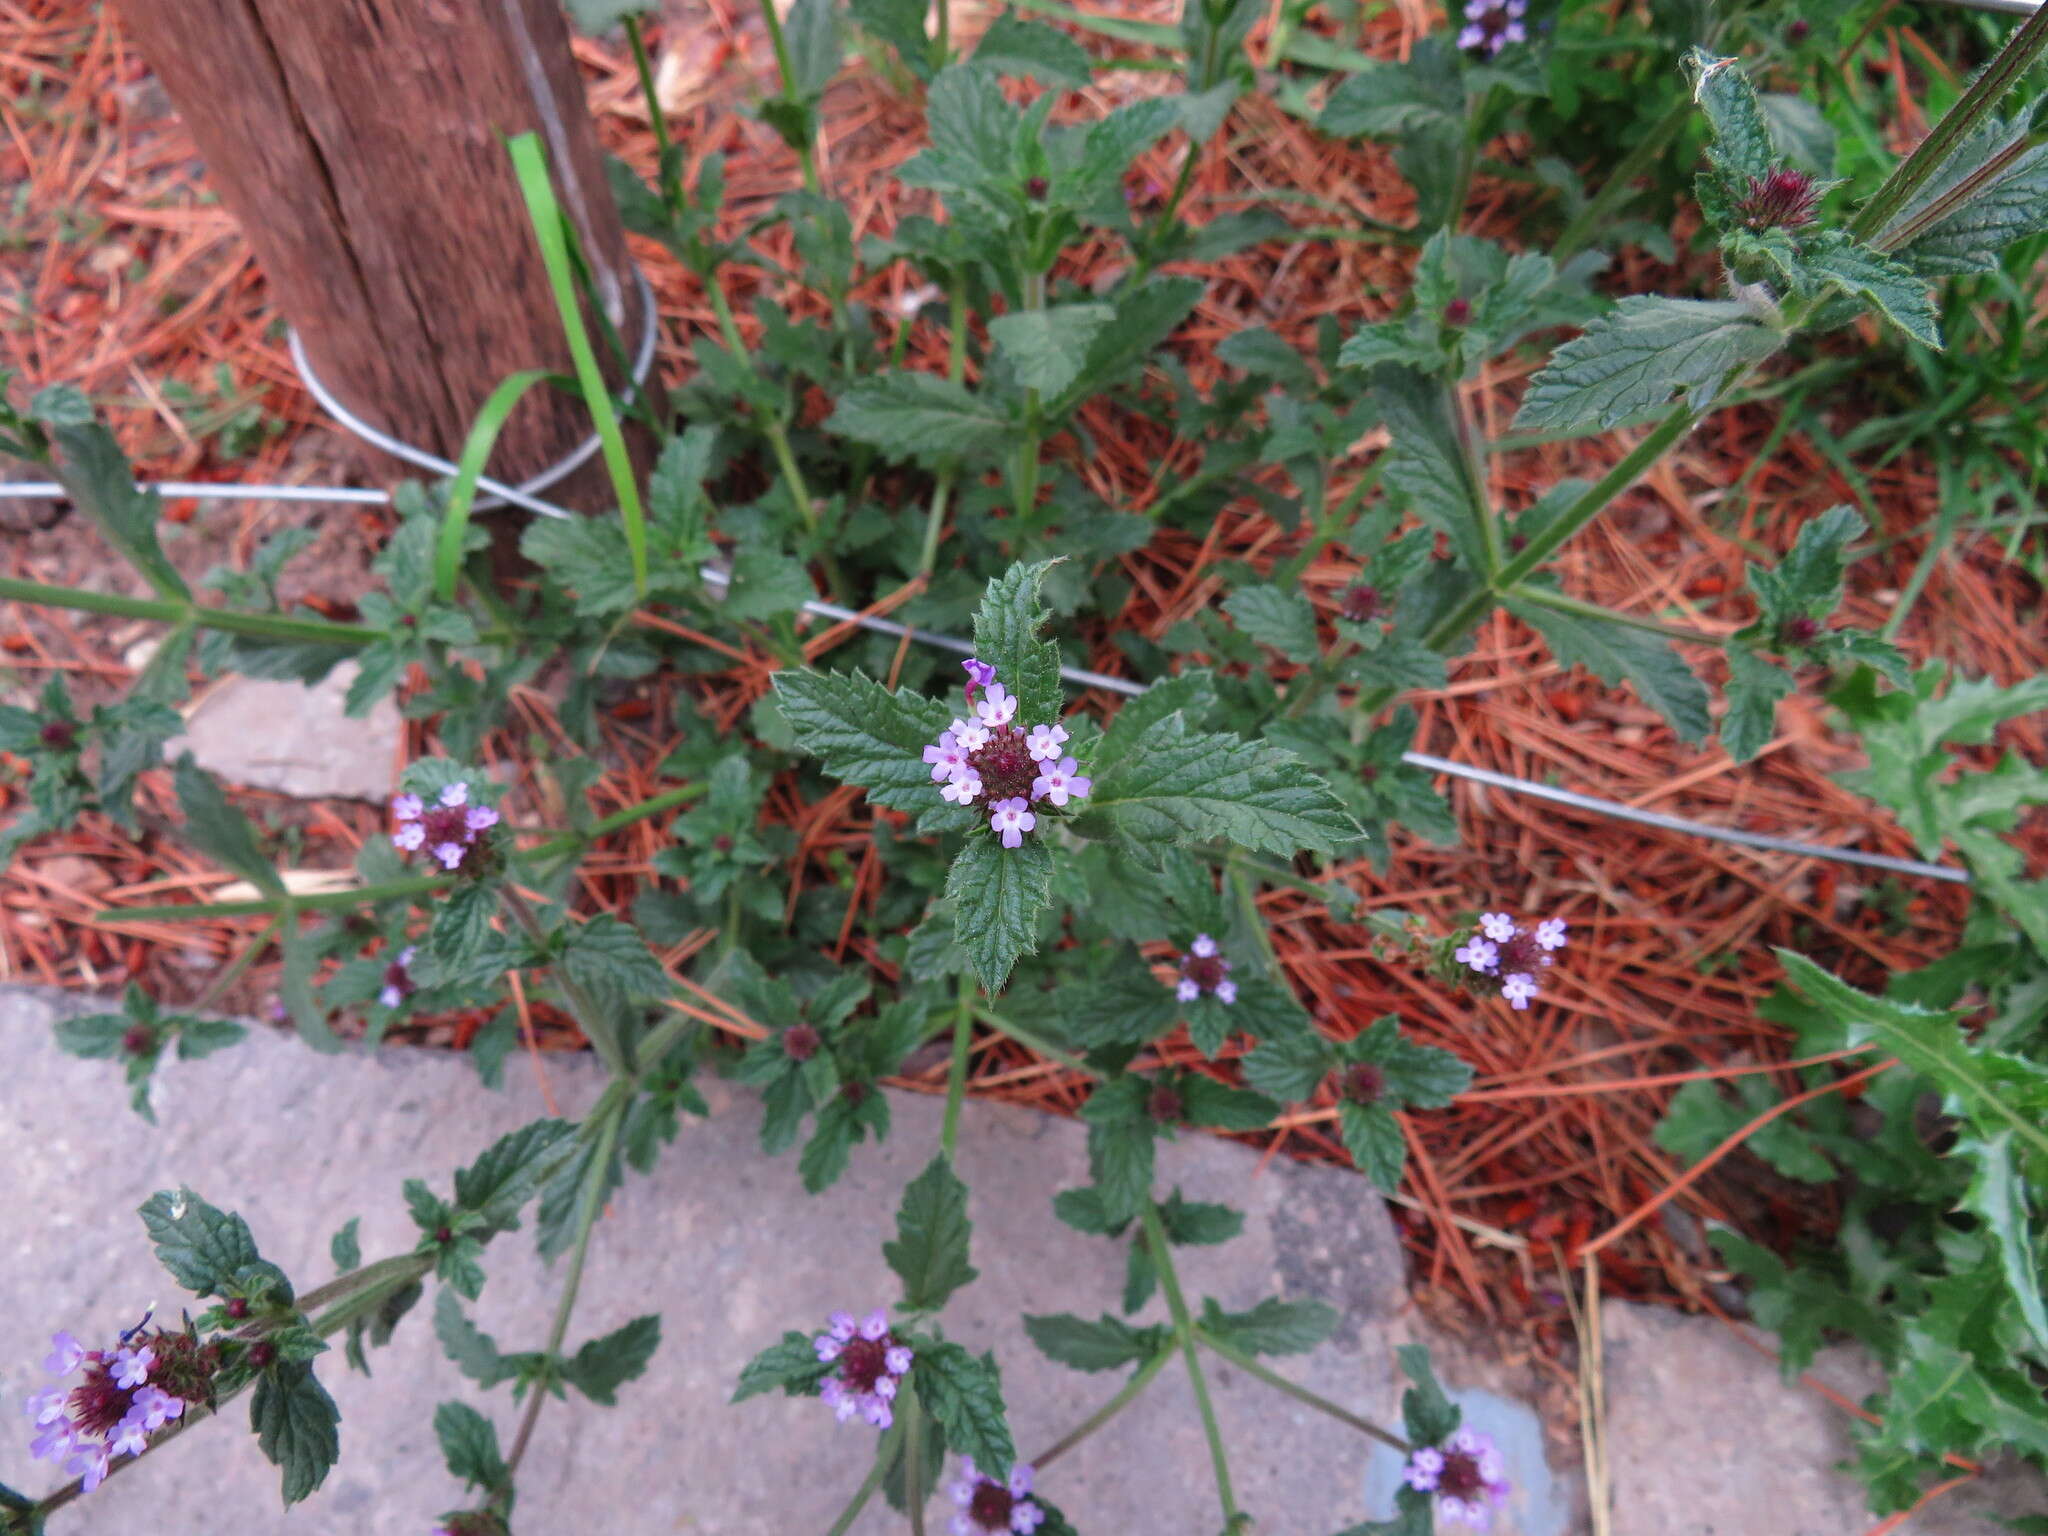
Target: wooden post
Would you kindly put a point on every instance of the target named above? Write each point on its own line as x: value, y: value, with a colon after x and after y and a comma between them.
x: 359, y: 144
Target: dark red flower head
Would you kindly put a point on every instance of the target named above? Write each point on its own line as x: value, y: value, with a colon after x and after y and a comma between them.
x: 1785, y: 199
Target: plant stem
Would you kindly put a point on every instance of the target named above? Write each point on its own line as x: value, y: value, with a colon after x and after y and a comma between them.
x: 1025, y: 1037
x: 1251, y: 1366
x: 956, y: 370
x: 1184, y: 1329
x: 913, y: 1454
x: 1619, y: 186
x: 1024, y: 485
x: 411, y: 885
x: 586, y: 1222
x: 956, y: 1071
x: 636, y: 39
x: 1327, y: 527
x: 597, y: 1027
x: 271, y: 626
x: 1544, y: 597
x: 1985, y: 92
x: 785, y: 69
x: 1127, y: 1395
x: 866, y: 1490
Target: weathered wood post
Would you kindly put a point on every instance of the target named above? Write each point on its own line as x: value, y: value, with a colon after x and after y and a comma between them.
x: 359, y: 144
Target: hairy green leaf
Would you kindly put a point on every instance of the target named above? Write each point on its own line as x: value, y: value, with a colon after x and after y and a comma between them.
x: 997, y: 895
x: 929, y: 1252
x: 1615, y: 652
x: 1639, y: 358
x: 865, y: 734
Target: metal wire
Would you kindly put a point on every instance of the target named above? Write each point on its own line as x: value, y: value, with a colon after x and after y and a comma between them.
x: 526, y: 493
x: 1082, y: 677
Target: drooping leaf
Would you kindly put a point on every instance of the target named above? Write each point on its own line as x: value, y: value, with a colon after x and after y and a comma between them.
x: 1615, y: 652
x: 792, y: 1364
x: 469, y: 1444
x: 965, y: 1395
x: 997, y: 895
x: 1273, y: 1327
x: 1635, y: 361
x: 929, y: 1251
x: 297, y: 1425
x: 1107, y: 1344
x: 603, y: 1365
x: 220, y: 829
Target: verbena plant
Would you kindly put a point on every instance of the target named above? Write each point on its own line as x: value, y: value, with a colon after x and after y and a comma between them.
x: 1029, y: 853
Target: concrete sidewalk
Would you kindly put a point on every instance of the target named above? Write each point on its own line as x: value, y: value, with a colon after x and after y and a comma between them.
x: 726, y: 1246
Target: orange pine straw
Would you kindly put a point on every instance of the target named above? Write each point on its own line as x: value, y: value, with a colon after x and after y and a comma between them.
x: 1693, y: 1174
x: 881, y: 607
x: 540, y: 1072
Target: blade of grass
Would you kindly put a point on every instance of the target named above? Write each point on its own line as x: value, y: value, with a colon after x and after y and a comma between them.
x: 476, y: 452
x: 529, y: 164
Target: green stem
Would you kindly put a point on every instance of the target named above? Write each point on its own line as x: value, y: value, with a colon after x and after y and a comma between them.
x: 239, y: 964
x: 1619, y: 186
x: 1184, y: 1328
x: 586, y: 1220
x: 1034, y: 1042
x: 956, y: 1071
x: 956, y: 370
x: 1330, y: 525
x: 1985, y: 92
x: 1544, y: 597
x: 271, y: 626
x: 913, y: 1454
x: 410, y: 885
x: 869, y: 1485
x: 1024, y: 485
x: 671, y: 195
x: 596, y: 1024
x: 1251, y: 1366
x: 1127, y: 1395
x: 785, y: 68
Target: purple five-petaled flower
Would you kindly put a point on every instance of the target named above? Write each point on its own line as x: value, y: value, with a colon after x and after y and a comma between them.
x: 1490, y: 25
x: 1011, y: 819
x: 1466, y: 1475
x: 871, y: 1361
x: 1061, y: 781
x: 985, y: 1507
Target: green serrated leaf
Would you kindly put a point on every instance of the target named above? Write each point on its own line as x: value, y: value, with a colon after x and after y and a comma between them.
x: 1373, y: 1138
x: 221, y: 830
x: 1048, y: 348
x: 1273, y: 1327
x: 965, y: 1396
x: 1006, y: 637
x: 297, y: 1425
x: 920, y: 416
x: 864, y: 733
x: 929, y: 1252
x: 1614, y: 652
x: 997, y: 894
x: 1193, y: 787
x: 1742, y: 135
x: 1887, y: 286
x: 1426, y: 1413
x: 1015, y: 46
x: 1107, y: 1344
x: 791, y: 1364
x: 474, y: 1352
x: 469, y: 1444
x: 201, y: 1245
x: 603, y: 1365
x: 1198, y: 1223
x: 1281, y: 618
x: 1642, y: 356
x: 511, y: 1171
x: 1754, y: 688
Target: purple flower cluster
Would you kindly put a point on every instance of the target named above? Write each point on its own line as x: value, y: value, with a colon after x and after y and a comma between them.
x: 1203, y: 969
x: 1490, y: 25
x: 1465, y: 1473
x: 398, y: 978
x: 986, y: 1505
x: 1509, y: 955
x: 986, y: 757
x: 871, y: 1362
x: 112, y: 1413
x: 448, y: 829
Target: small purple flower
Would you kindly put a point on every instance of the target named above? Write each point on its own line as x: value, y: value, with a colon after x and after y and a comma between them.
x: 1480, y: 954
x: 128, y: 1438
x: 1467, y: 1475
x: 157, y: 1408
x: 871, y: 1362
x: 1490, y: 25
x: 1044, y: 742
x: 446, y: 829
x: 946, y: 756
x: 1518, y: 987
x: 1011, y: 820
x: 999, y: 708
x: 986, y: 1507
x: 54, y: 1443
x: 88, y: 1463
x: 1203, y: 969
x: 131, y: 1368
x: 979, y: 673
x: 1550, y: 933
x: 1497, y: 926
x: 965, y: 786
x: 971, y: 735
x: 1060, y: 782
x: 47, y: 1406
x: 66, y: 1355
x: 398, y: 979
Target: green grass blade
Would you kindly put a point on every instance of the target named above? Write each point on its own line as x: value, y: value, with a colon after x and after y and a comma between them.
x: 483, y: 436
x: 530, y: 165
